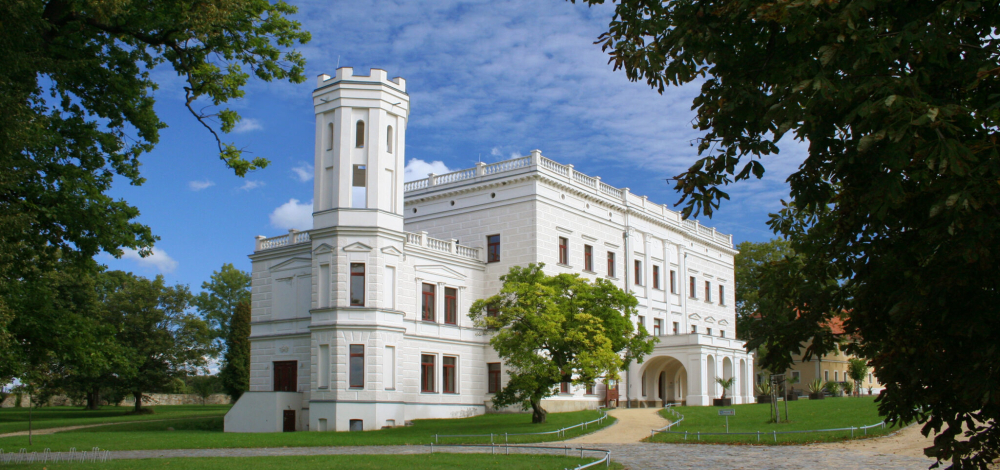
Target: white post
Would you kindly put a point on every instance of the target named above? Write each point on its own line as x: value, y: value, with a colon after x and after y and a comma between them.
x: 291, y: 236
x: 451, y: 245
x: 258, y: 241
x: 423, y: 238
x: 431, y: 177
x: 480, y: 168
x: 536, y: 156
x: 569, y: 174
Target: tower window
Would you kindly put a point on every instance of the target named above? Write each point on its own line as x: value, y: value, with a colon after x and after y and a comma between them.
x: 329, y: 137
x: 359, y: 136
x: 359, y: 187
x: 388, y: 140
x: 357, y: 379
x: 493, y: 248
x: 357, y: 284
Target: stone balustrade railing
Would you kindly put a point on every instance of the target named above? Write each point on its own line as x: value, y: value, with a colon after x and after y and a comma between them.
x: 448, y: 246
x: 568, y: 174
x: 293, y: 237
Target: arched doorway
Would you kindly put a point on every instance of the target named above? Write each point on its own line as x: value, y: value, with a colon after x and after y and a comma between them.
x: 710, y: 376
x: 727, y: 373
x: 668, y: 376
x: 661, y: 386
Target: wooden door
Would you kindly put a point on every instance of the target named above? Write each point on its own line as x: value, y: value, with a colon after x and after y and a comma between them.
x: 288, y: 423
x: 285, y: 376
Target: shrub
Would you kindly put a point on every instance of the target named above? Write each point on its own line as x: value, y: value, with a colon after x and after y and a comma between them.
x: 832, y: 387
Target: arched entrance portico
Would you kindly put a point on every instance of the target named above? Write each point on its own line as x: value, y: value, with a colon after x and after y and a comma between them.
x: 667, y: 381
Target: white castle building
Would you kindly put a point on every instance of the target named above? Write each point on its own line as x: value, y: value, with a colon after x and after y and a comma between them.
x: 361, y: 322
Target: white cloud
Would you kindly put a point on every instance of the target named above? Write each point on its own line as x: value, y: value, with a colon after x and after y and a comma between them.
x: 247, y: 125
x: 293, y: 214
x: 158, y: 259
x: 251, y: 184
x: 418, y: 169
x: 496, y: 152
x: 304, y: 172
x: 199, y: 185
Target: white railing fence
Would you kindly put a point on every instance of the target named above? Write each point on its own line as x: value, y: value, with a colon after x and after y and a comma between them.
x: 561, y: 432
x: 504, y: 449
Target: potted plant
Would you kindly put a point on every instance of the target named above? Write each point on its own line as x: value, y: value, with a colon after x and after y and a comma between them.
x: 763, y: 392
x: 833, y: 388
x: 726, y: 384
x: 816, y: 390
x: 792, y: 394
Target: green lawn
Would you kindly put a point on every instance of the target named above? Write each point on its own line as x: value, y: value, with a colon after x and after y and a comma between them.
x: 201, y: 433
x: 803, y: 415
x: 437, y: 461
x: 16, y: 419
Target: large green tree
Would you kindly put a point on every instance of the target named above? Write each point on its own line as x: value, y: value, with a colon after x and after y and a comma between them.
x: 235, y: 374
x: 750, y: 260
x: 562, y: 328
x: 227, y: 288
x: 76, y: 111
x: 893, y: 214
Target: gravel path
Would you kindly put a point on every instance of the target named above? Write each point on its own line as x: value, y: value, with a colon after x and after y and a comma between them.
x: 632, y: 425
x: 39, y: 432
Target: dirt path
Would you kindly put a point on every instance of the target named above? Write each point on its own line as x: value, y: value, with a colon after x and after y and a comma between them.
x: 39, y: 432
x: 632, y: 426
x: 908, y: 442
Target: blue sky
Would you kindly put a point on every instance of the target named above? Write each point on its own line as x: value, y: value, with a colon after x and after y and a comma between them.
x: 487, y: 80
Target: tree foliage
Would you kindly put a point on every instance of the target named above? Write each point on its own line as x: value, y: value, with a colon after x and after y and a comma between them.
x: 76, y: 111
x: 894, y: 212
x: 562, y: 328
x: 857, y: 369
x: 227, y: 288
x: 749, y: 262
x: 235, y: 374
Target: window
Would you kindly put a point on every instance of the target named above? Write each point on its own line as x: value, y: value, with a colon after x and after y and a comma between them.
x: 694, y: 329
x: 691, y: 291
x: 677, y: 328
x: 285, y: 376
x: 563, y: 250
x: 638, y: 272
x: 708, y: 291
x: 427, y: 373
x: 359, y: 135
x: 357, y: 366
x: 722, y: 295
x: 357, y: 284
x: 590, y: 389
x: 836, y: 376
x: 643, y: 384
x: 870, y: 379
x: 708, y: 331
x: 656, y: 277
x: 390, y: 368
x: 795, y: 374
x: 673, y: 282
x: 450, y: 305
x: 493, y: 376
x: 563, y: 387
x: 657, y: 327
x: 611, y: 264
x: 492, y: 312
x: 388, y: 140
x: 329, y: 136
x: 493, y: 248
x: 324, y: 366
x: 427, y: 312
x: 826, y: 375
x: 642, y: 321
x: 359, y: 187
x: 588, y: 258
x: 722, y: 333
x: 448, y: 373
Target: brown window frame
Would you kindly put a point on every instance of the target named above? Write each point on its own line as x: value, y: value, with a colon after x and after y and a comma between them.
x: 590, y: 389
x: 493, y: 248
x: 588, y: 258
x: 449, y: 372
x: 722, y: 294
x: 493, y: 377
x: 356, y: 381
x: 657, y: 327
x: 451, y: 305
x: 360, y: 279
x: 673, y: 281
x: 563, y: 250
x: 611, y: 264
x: 427, y: 384
x: 638, y: 272
x: 564, y: 387
x: 693, y: 287
x: 677, y: 328
x: 428, y: 300
x: 290, y: 383
x: 708, y: 291
x: 656, y: 277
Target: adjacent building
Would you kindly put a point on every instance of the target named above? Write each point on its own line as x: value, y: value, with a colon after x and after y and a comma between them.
x: 361, y: 322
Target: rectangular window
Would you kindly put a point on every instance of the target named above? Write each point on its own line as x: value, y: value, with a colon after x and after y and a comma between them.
x: 611, y: 264
x: 657, y: 327
x: 492, y: 312
x: 324, y: 366
x: 450, y: 305
x: 673, y: 282
x: 563, y: 250
x: 590, y: 389
x: 708, y: 291
x: 826, y: 375
x: 427, y: 373
x: 359, y: 187
x: 448, y: 373
x: 357, y: 284
x: 638, y: 272
x: 493, y: 248
x: 722, y: 295
x: 493, y: 377
x: 563, y: 387
x: 285, y: 376
x: 870, y: 379
x: 357, y: 367
x: 324, y: 285
x: 694, y: 329
x: 588, y: 258
x: 642, y: 321
x: 836, y: 376
x: 427, y: 310
x: 389, y: 287
x: 795, y: 374
x: 691, y: 291
x: 390, y: 368
x: 677, y: 328
x: 708, y: 331
x: 722, y: 333
x: 656, y: 277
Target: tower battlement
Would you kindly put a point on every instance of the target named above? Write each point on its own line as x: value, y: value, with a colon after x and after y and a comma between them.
x: 374, y: 76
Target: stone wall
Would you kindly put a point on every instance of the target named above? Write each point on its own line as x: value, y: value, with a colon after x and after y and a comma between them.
x: 154, y: 399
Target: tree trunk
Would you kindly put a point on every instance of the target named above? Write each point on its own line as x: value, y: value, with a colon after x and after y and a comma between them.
x: 30, y: 405
x: 537, y: 412
x: 94, y: 399
x: 138, y: 401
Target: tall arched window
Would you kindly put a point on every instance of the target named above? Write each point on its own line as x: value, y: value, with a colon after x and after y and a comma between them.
x: 388, y: 139
x: 329, y: 136
x: 359, y: 137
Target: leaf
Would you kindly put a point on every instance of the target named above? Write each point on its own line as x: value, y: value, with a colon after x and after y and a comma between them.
x: 890, y: 100
x: 932, y: 113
